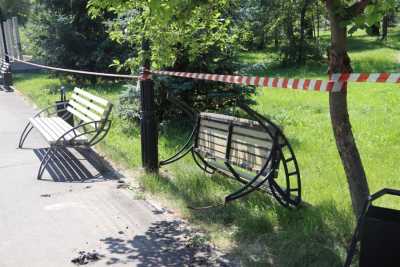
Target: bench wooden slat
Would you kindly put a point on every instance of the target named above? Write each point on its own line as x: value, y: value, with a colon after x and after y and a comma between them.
x: 226, y: 118
x: 79, y: 114
x: 64, y: 127
x: 239, y: 147
x: 92, y: 97
x: 239, y: 130
x: 245, y: 148
x: 247, y: 176
x: 58, y: 130
x: 84, y: 110
x: 214, y: 125
x: 87, y: 103
x: 236, y: 158
x: 237, y: 164
x: 250, y: 144
x: 53, y: 128
x: 44, y: 131
x: 217, y: 134
x: 211, y: 150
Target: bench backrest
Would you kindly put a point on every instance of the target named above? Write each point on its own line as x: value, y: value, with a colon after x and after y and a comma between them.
x: 248, y: 148
x: 88, y: 107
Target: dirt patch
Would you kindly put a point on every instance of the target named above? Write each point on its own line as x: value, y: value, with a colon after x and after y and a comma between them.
x: 86, y: 257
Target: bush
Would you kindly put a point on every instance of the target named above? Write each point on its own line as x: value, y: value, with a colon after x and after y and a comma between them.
x: 198, y: 97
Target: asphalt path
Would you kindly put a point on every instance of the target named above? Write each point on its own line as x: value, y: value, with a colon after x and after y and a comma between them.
x: 81, y: 206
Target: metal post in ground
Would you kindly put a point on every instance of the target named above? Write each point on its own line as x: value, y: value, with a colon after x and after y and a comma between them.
x: 4, y: 36
x: 148, y: 119
x: 5, y: 72
x: 17, y: 38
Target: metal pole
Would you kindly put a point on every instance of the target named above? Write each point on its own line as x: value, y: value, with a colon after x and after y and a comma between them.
x: 4, y: 36
x: 17, y: 37
x: 148, y: 120
x: 5, y: 70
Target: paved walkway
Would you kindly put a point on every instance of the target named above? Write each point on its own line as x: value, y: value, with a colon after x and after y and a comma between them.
x: 78, y: 207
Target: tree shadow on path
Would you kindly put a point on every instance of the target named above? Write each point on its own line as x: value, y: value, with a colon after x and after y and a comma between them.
x: 165, y: 243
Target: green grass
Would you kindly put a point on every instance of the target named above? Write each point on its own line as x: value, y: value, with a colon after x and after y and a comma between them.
x: 256, y: 229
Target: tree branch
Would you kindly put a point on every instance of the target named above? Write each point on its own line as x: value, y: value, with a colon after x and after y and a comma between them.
x: 357, y: 8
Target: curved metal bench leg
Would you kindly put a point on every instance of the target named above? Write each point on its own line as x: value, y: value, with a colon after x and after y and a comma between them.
x: 281, y: 196
x: 177, y: 157
x: 248, y: 187
x: 45, y: 162
x: 25, y: 134
x: 287, y: 192
x: 205, y: 167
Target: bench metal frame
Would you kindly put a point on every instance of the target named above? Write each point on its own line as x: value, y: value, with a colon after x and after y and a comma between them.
x: 96, y: 130
x: 281, y: 154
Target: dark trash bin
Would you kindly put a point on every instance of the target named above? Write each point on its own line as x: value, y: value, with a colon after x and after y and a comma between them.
x: 378, y: 232
x: 61, y: 108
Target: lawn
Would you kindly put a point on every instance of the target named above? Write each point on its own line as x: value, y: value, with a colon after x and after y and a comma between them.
x: 256, y: 229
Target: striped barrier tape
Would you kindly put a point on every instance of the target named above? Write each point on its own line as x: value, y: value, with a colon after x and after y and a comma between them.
x: 297, y: 84
x: 112, y: 75
x: 367, y: 77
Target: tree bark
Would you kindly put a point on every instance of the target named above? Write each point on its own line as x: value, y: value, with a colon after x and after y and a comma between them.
x: 304, y: 8
x: 276, y: 38
x: 345, y: 142
x: 318, y: 19
x: 385, y: 26
x: 290, y: 36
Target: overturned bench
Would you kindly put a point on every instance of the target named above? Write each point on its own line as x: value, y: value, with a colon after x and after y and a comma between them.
x: 252, y: 152
x: 88, y: 112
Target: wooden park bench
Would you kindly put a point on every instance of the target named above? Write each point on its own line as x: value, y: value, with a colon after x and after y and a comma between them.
x: 88, y: 112
x: 250, y: 151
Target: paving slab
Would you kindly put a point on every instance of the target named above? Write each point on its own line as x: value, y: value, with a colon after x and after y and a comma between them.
x: 80, y: 207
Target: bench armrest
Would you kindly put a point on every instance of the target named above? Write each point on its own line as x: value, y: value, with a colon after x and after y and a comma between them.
x: 54, y: 107
x: 99, y: 129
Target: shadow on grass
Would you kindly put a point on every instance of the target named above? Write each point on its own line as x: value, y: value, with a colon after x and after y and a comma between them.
x: 264, y: 233
x: 363, y: 43
x: 310, y: 70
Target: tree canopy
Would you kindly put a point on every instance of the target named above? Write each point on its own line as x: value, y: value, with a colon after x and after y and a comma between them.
x: 18, y: 8
x: 194, y: 28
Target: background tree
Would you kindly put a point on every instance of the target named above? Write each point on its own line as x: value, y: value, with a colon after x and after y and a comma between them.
x: 273, y: 23
x: 341, y: 14
x: 62, y: 34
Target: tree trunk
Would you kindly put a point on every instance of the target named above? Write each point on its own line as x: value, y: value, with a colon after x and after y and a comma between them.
x: 276, y: 38
x: 346, y: 145
x: 290, y: 52
x: 374, y: 30
x: 318, y: 19
x: 301, y: 57
x: 314, y: 31
x: 385, y: 26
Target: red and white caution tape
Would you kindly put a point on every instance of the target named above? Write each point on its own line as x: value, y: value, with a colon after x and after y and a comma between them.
x: 367, y: 77
x: 297, y: 84
x: 112, y: 75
